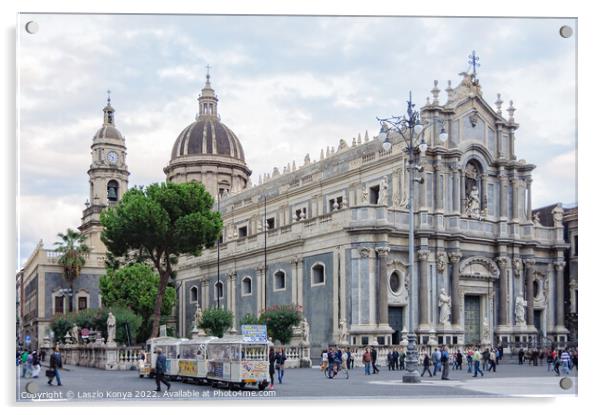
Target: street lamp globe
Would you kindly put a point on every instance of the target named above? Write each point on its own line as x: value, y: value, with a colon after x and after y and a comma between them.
x: 422, y: 146
x: 387, y: 144
x: 418, y: 128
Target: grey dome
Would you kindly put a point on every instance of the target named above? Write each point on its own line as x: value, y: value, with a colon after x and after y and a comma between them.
x: 207, y: 136
x: 108, y: 131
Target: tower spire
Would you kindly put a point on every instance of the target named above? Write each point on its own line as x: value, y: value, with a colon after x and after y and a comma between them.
x: 109, y: 112
x: 207, y: 99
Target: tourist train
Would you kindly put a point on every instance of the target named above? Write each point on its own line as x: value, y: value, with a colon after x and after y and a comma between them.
x: 233, y: 361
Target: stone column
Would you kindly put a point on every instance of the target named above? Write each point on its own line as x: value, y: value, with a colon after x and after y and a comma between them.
x: 515, y: 198
x: 383, y: 294
x: 503, y: 194
x: 205, y: 293
x: 530, y: 264
x: 422, y: 192
x: 454, y: 258
x: 503, y: 264
x: 456, y: 192
x: 484, y: 192
x: 528, y: 201
x: 232, y: 301
x: 559, y: 268
x: 423, y: 256
x: 438, y: 186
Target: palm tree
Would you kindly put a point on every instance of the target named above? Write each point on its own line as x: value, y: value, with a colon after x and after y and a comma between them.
x: 74, y: 252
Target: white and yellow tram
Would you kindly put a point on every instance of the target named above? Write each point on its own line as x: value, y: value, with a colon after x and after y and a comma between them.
x: 170, y: 346
x: 192, y: 364
x: 235, y: 361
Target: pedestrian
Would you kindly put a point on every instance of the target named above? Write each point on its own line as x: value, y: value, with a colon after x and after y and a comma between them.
x: 24, y: 357
x: 501, y: 352
x: 469, y: 356
x: 436, y: 361
x: 426, y: 363
x: 459, y: 359
x: 29, y: 365
x: 373, y: 356
x: 486, y: 358
x: 35, y: 365
x: 56, y: 363
x: 444, y: 363
x: 43, y: 355
x: 521, y: 356
x: 496, y: 352
x: 492, y: 362
x: 476, y: 357
x: 349, y: 359
x: 160, y: 369
x: 390, y: 360
x: 574, y: 358
x: 280, y: 359
x: 272, y: 360
x: 324, y: 364
x: 402, y: 360
x: 331, y: 363
x: 565, y: 361
x: 395, y: 360
x: 367, y: 359
x: 550, y: 359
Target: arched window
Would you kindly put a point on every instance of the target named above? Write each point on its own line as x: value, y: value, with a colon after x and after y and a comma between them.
x: 194, y: 295
x: 113, y: 191
x: 82, y: 300
x: 246, y: 286
x: 279, y: 280
x: 395, y: 282
x: 318, y: 274
x: 219, y: 290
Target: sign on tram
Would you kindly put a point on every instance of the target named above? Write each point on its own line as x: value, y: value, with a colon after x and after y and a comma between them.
x: 254, y: 333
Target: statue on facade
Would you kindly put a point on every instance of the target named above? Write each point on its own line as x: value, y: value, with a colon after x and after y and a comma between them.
x: 519, y: 310
x: 473, y: 203
x: 75, y: 333
x: 307, y: 160
x: 558, y: 215
x: 343, y: 333
x: 342, y: 145
x: 365, y: 195
x: 517, y: 266
x: 485, y: 330
x: 305, y: 330
x: 382, y: 192
x: 441, y: 261
x: 444, y: 307
x: 536, y: 219
x: 111, y: 324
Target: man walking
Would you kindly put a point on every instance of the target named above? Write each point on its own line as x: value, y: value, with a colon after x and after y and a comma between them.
x: 426, y: 363
x: 521, y: 356
x: 395, y: 360
x: 436, y: 361
x: 445, y: 363
x: 374, y: 355
x: 476, y: 357
x: 402, y: 360
x: 160, y: 368
x: 56, y: 363
x: 366, y: 359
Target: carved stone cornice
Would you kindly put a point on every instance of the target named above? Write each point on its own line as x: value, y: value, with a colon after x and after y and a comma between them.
x: 529, y: 263
x: 455, y: 257
x: 441, y: 261
x: 365, y: 252
x: 383, y: 250
x: 232, y: 276
x: 502, y: 261
x: 296, y: 259
x: 423, y: 254
x: 517, y: 265
x: 559, y: 265
x: 396, y: 263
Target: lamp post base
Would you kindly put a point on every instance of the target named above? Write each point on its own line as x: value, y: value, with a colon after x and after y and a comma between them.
x: 411, y: 374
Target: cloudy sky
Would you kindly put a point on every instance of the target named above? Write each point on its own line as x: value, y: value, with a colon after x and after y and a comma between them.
x: 287, y: 86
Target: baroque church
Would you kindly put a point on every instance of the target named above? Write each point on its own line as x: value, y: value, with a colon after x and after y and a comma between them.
x: 331, y: 235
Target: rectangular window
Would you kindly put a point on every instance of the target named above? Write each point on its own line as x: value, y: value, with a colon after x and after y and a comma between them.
x: 300, y: 214
x: 59, y: 305
x: 374, y: 191
x: 332, y: 206
x: 242, y: 232
x: 271, y: 223
x: 82, y: 303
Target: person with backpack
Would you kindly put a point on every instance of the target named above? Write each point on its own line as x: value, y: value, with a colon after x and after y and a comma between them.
x: 367, y: 359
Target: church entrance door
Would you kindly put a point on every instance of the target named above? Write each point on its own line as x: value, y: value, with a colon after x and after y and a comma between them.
x: 396, y: 323
x: 472, y: 319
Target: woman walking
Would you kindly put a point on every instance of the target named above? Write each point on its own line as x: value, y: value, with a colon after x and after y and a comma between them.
x: 272, y: 359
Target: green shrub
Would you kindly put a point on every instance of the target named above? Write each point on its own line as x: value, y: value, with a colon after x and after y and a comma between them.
x: 60, y: 325
x: 216, y: 321
x: 122, y: 315
x: 249, y: 319
x: 280, y: 320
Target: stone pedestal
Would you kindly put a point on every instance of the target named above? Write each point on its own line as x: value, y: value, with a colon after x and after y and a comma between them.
x: 111, y: 362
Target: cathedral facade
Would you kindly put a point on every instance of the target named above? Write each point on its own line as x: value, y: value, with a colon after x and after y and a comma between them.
x: 331, y: 235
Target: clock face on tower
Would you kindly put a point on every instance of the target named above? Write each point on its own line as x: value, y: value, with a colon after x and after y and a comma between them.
x: 112, y: 157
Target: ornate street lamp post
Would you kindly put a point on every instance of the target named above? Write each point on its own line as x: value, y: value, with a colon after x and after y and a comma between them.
x: 410, y: 129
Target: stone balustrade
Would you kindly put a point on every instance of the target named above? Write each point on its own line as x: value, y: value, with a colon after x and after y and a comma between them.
x: 99, y: 355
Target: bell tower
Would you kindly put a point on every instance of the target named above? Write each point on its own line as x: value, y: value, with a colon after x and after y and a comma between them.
x: 108, y: 176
